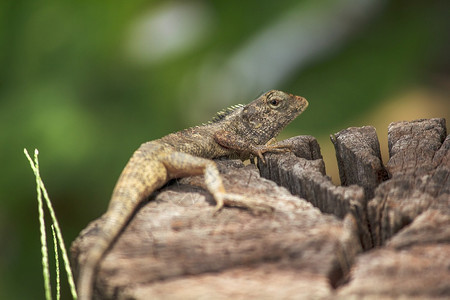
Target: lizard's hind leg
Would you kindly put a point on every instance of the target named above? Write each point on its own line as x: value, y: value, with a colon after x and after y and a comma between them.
x: 180, y: 164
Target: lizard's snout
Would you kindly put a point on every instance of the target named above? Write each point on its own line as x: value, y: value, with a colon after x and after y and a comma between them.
x: 302, y: 102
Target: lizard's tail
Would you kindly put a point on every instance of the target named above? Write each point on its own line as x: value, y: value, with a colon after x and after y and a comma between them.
x: 141, y: 176
x: 94, y: 255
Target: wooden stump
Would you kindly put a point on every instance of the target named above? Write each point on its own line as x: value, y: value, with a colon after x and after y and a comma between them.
x: 174, y: 248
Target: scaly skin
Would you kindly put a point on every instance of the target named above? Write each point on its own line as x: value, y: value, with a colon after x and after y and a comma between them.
x: 240, y: 132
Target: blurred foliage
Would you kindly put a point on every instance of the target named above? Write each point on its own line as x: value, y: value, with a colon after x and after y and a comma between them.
x: 81, y: 82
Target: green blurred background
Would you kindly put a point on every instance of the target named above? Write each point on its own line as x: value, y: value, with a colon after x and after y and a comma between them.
x: 86, y: 82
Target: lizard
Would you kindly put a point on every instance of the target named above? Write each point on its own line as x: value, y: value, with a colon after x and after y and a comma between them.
x: 238, y: 132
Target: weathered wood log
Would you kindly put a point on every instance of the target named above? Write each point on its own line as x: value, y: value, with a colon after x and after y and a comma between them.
x: 307, y: 179
x: 359, y: 158
x: 175, y: 248
x: 419, y: 165
x: 411, y: 211
x: 410, y: 214
x: 414, y: 264
x: 419, y: 272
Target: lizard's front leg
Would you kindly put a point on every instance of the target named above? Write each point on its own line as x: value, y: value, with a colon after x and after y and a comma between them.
x: 180, y: 164
x: 232, y: 141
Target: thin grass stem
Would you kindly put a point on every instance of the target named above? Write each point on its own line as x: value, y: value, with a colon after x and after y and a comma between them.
x: 44, y: 250
x: 58, y: 279
x: 65, y: 257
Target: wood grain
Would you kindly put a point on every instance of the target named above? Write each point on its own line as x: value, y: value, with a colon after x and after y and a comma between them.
x: 314, y: 246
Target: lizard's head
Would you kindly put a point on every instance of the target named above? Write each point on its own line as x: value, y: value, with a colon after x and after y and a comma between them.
x: 266, y: 116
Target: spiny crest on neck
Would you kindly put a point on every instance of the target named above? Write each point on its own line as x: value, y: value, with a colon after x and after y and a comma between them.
x: 220, y: 115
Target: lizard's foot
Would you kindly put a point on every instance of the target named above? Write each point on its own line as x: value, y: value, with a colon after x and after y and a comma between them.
x: 275, y: 148
x: 235, y: 200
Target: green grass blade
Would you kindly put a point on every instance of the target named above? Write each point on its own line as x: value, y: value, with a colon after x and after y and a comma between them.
x: 58, y: 279
x: 65, y: 257
x: 44, y: 250
x: 60, y: 241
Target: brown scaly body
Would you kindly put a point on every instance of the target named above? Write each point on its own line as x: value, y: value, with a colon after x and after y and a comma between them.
x: 239, y: 132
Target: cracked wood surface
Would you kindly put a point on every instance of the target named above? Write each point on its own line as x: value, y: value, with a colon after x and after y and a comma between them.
x: 174, y: 248
x: 404, y: 214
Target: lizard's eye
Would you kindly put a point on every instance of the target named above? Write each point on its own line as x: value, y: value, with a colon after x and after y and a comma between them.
x: 274, y: 103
